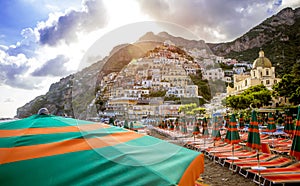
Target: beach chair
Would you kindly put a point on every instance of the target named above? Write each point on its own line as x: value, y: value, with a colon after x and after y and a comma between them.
x: 238, y: 154
x: 281, y: 179
x: 262, y: 157
x: 291, y: 169
x: 276, y: 162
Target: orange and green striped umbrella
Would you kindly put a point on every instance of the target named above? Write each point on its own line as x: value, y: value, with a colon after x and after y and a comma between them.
x: 227, y: 118
x: 232, y: 134
x: 253, y: 133
x: 288, y: 123
x: 216, y: 135
x: 271, y: 123
x: 52, y: 150
x: 205, y: 133
x: 295, y: 149
x: 241, y: 122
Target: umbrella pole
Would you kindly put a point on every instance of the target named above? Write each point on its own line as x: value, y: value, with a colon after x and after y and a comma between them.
x: 232, y: 157
x: 258, y: 167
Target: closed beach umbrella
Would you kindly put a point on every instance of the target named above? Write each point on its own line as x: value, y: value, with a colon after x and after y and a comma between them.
x: 253, y: 133
x: 288, y: 123
x: 241, y: 121
x: 126, y: 124
x: 227, y: 118
x: 232, y: 134
x: 205, y: 133
x: 254, y: 138
x: 216, y: 135
x: 53, y: 150
x: 295, y: 149
x: 271, y: 123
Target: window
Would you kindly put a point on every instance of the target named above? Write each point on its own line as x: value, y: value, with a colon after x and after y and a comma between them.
x: 268, y: 82
x: 267, y: 72
x: 245, y: 82
x: 275, y: 81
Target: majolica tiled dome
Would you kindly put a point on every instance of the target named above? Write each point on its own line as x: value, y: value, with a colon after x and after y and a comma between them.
x: 262, y: 61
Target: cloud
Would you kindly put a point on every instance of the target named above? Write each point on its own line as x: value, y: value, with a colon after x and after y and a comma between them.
x: 13, y: 71
x: 211, y: 20
x: 8, y: 100
x: 53, y: 67
x: 66, y: 27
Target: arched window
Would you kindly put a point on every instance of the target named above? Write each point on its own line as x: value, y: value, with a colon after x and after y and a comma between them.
x: 267, y: 72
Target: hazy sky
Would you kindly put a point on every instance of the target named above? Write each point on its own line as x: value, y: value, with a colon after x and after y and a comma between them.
x: 42, y: 41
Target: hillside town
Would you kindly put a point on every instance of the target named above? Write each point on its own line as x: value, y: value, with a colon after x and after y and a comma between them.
x: 140, y: 89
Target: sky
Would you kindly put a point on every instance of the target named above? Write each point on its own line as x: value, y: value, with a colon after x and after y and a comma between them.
x: 42, y: 41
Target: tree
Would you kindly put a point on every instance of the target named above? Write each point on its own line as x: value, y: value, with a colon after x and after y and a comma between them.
x: 256, y: 96
x: 289, y: 86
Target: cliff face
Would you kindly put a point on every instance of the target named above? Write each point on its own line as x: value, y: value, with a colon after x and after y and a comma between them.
x: 272, y: 28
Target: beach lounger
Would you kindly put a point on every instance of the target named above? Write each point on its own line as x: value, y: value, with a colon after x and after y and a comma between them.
x: 227, y: 148
x: 281, y: 178
x: 238, y: 154
x: 276, y: 162
x: 262, y: 158
x: 291, y: 169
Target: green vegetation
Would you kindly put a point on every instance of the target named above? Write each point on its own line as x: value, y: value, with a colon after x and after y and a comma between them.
x: 203, y: 86
x: 255, y: 96
x: 289, y: 86
x: 159, y: 93
x: 191, y: 109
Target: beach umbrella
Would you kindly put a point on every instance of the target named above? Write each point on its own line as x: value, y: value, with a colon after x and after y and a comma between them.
x: 232, y: 135
x: 271, y: 123
x: 111, y: 121
x: 126, y: 124
x: 227, y: 118
x: 254, y: 138
x: 295, y: 149
x: 288, y: 124
x: 241, y: 121
x: 53, y: 150
x: 196, y: 130
x: 216, y: 135
x: 205, y: 133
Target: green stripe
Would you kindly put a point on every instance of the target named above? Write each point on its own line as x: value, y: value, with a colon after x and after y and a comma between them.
x: 27, y: 140
x: 42, y: 121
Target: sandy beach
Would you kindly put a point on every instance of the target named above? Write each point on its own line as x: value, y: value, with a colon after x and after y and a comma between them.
x: 216, y: 175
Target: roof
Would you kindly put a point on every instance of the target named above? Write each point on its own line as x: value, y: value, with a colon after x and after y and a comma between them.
x: 262, y: 61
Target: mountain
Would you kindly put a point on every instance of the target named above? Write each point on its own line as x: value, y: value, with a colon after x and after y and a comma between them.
x: 278, y: 36
x: 75, y: 94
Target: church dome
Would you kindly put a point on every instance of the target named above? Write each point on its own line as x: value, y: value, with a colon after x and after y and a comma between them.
x: 262, y: 61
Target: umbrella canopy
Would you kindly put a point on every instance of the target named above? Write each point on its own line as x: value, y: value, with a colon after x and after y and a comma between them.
x: 227, y: 118
x: 253, y: 133
x: 52, y: 150
x: 126, y: 124
x: 288, y: 123
x: 241, y: 122
x: 295, y: 149
x: 196, y: 129
x: 232, y: 134
x: 216, y: 135
x: 271, y: 123
x: 205, y: 133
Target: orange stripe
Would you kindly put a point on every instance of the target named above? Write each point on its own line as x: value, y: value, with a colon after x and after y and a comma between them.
x: 193, y: 172
x: 50, y: 130
x: 253, y: 130
x: 42, y: 150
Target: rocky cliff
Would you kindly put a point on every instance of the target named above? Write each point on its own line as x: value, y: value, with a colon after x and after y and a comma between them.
x: 278, y: 36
